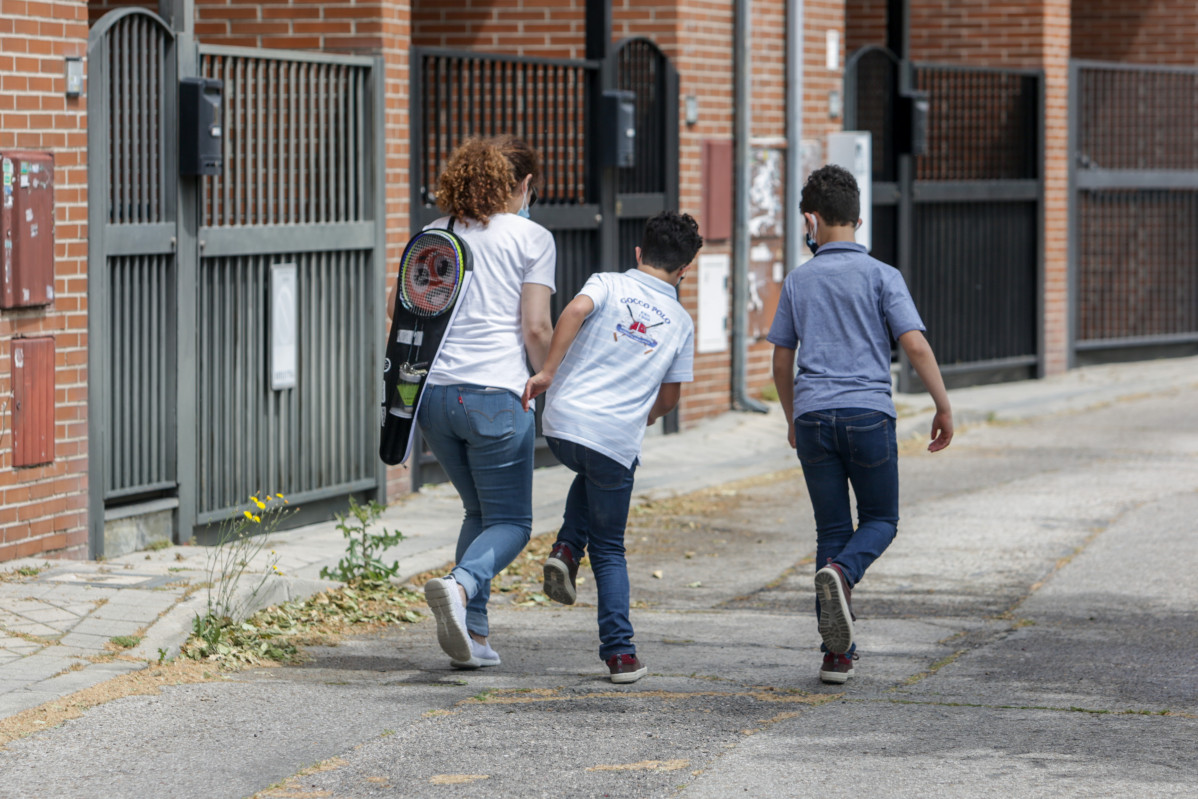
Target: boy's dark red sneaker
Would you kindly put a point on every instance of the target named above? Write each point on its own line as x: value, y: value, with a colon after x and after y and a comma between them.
x: 835, y: 614
x: 626, y: 668
x: 561, y: 569
x: 836, y: 669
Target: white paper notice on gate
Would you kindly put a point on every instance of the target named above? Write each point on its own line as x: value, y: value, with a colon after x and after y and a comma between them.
x: 284, y: 326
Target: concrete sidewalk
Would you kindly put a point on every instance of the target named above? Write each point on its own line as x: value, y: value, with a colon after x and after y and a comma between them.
x: 52, y: 624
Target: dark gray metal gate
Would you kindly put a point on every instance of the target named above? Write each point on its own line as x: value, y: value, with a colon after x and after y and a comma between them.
x: 183, y: 418
x: 596, y: 214
x: 963, y: 222
x: 1133, y: 225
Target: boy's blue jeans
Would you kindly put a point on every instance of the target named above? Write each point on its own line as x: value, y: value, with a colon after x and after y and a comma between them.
x: 483, y: 439
x: 844, y: 446
x: 594, y: 521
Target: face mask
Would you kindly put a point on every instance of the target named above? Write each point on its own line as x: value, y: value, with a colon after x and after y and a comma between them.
x: 811, y: 245
x: 524, y: 207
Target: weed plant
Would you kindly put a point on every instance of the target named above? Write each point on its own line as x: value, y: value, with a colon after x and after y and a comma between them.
x: 364, y: 547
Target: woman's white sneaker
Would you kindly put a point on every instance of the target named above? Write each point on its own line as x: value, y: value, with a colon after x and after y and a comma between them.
x: 480, y: 655
x: 444, y: 599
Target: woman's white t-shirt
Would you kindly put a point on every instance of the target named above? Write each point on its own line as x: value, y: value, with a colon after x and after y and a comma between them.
x: 485, y: 346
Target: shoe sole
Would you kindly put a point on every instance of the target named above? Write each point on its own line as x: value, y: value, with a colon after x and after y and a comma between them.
x: 835, y: 677
x: 451, y: 633
x: 835, y: 618
x: 557, y: 582
x: 630, y: 676
x: 473, y: 663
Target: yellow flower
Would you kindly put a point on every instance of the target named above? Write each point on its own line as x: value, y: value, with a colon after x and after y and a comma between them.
x: 257, y: 520
x: 253, y: 498
x: 280, y: 496
x: 249, y: 515
x: 261, y: 505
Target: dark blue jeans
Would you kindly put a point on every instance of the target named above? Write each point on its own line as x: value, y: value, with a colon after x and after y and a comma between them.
x: 594, y: 521
x: 844, y: 446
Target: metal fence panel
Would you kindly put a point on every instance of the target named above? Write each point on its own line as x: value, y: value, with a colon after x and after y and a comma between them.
x: 1134, y: 209
x: 298, y: 188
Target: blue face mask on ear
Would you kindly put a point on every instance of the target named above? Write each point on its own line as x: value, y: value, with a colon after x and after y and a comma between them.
x: 811, y: 243
x: 524, y: 207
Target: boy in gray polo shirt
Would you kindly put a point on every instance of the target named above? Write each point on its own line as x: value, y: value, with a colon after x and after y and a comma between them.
x: 840, y: 311
x: 619, y: 353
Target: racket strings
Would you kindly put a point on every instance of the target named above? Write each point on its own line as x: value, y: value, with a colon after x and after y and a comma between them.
x: 430, y: 276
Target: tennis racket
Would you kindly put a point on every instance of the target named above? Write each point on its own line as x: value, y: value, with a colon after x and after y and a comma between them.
x: 432, y: 274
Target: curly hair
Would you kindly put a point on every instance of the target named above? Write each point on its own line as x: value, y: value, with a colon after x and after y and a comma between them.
x: 670, y: 241
x: 482, y: 174
x: 831, y: 191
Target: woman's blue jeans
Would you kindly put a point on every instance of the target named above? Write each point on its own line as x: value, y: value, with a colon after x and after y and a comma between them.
x: 844, y: 446
x: 483, y: 440
x: 594, y: 521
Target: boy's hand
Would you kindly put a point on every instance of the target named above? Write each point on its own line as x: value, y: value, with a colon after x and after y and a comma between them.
x: 790, y: 434
x: 942, y: 431
x: 537, y: 385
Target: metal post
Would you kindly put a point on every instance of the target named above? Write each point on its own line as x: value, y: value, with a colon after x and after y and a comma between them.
x: 905, y: 222
x: 794, y: 131
x: 378, y: 277
x: 742, y: 68
x: 603, y: 184
x: 181, y: 16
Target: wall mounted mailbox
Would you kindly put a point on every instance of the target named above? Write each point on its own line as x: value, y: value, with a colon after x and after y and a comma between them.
x: 201, y: 133
x: 618, y: 125
x: 27, y: 228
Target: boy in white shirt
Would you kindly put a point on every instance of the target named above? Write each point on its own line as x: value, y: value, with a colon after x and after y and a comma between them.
x: 619, y: 353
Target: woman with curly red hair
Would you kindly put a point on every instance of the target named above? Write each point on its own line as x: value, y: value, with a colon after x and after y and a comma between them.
x: 471, y: 413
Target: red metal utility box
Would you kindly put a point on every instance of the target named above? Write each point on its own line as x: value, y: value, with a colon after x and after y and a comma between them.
x: 27, y: 228
x: 32, y: 401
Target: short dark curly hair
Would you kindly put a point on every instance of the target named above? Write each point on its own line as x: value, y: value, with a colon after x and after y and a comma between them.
x: 670, y: 241
x: 831, y: 191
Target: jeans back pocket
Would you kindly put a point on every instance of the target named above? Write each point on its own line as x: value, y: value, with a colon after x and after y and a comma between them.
x: 870, y: 444
x: 490, y: 413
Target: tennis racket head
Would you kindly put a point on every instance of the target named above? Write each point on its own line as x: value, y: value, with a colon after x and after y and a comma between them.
x: 431, y: 271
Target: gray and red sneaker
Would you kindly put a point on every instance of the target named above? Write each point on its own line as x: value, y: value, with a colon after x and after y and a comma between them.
x: 626, y: 668
x: 836, y: 669
x: 561, y: 569
x: 835, y: 613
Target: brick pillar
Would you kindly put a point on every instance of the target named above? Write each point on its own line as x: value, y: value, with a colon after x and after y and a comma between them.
x: 43, y: 508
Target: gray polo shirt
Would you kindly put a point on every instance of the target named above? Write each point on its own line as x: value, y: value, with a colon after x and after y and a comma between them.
x: 841, y: 310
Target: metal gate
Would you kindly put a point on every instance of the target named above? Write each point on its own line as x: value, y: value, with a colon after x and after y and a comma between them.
x: 1133, y: 227
x: 182, y: 414
x: 596, y: 214
x: 962, y: 221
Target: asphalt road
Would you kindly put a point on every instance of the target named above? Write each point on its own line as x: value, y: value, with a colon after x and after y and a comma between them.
x: 1030, y: 633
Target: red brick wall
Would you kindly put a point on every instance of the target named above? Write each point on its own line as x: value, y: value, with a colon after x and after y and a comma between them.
x: 1136, y: 33
x: 865, y: 24
x: 544, y: 28
x: 43, y: 509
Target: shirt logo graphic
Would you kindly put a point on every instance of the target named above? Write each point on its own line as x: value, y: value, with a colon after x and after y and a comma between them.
x: 637, y: 329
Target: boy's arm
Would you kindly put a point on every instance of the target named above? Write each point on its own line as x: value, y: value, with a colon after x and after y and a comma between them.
x: 784, y: 382
x: 667, y: 400
x: 919, y: 352
x: 568, y: 325
x: 536, y: 321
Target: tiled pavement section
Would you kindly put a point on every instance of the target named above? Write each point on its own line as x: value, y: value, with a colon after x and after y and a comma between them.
x: 55, y: 627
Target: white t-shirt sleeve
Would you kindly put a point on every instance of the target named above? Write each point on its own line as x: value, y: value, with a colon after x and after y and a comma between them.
x: 682, y: 370
x: 542, y: 262
x: 598, y: 289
